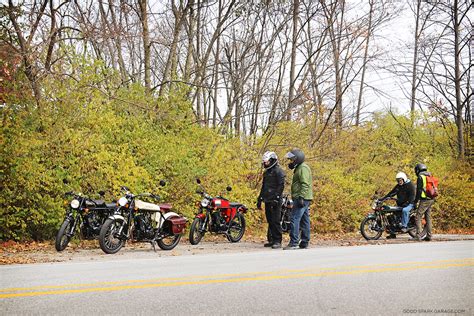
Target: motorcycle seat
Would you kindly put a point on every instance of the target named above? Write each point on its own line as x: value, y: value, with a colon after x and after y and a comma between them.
x: 94, y: 203
x: 236, y: 205
x: 165, y: 207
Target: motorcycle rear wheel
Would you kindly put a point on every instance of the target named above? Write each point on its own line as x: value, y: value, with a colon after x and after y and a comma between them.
x: 367, y: 231
x: 195, y: 235
x: 236, y: 228
x: 62, y: 238
x: 169, y: 243
x: 107, y: 241
x: 412, y: 232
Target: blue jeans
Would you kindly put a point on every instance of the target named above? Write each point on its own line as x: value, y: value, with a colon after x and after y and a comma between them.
x: 405, y: 214
x: 300, y: 219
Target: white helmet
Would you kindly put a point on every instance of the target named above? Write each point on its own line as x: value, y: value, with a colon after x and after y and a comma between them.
x: 402, y: 175
x: 269, y: 159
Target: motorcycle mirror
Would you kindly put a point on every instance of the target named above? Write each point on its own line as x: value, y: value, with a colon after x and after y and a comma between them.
x: 199, y: 191
x: 124, y: 188
x: 162, y: 183
x: 101, y: 193
x: 229, y: 188
x: 198, y: 181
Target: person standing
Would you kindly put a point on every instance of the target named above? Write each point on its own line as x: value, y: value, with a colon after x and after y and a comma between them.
x: 302, y: 195
x: 423, y: 201
x: 271, y: 192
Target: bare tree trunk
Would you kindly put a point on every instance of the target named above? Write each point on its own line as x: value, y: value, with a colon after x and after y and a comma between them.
x: 415, y: 61
x: 146, y: 43
x: 291, y: 94
x: 457, y: 82
x: 364, y: 66
x: 216, y: 68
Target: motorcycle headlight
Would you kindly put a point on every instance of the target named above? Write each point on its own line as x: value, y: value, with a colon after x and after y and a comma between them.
x: 75, y: 203
x: 204, y: 202
x: 374, y: 205
x: 122, y: 201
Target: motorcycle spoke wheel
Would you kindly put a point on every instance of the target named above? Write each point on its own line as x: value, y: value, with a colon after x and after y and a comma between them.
x: 63, y: 237
x: 195, y: 235
x: 424, y: 231
x: 169, y: 242
x: 370, y: 229
x: 236, y: 228
x: 108, y: 240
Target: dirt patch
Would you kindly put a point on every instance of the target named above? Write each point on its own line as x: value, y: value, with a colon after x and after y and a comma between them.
x: 34, y: 252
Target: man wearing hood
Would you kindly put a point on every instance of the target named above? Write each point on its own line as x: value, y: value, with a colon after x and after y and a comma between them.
x: 405, y: 192
x: 302, y: 195
x: 271, y: 192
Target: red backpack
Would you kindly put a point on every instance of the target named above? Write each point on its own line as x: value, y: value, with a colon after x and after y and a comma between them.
x: 431, y: 186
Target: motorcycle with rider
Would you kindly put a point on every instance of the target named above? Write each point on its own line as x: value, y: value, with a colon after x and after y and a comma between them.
x: 394, y: 220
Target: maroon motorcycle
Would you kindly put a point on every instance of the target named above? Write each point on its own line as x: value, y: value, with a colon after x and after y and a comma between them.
x: 217, y: 215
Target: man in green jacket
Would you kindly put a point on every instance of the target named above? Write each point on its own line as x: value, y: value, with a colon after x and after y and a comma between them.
x: 302, y: 195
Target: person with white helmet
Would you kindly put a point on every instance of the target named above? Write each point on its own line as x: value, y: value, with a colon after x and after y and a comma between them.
x: 271, y: 192
x: 405, y: 191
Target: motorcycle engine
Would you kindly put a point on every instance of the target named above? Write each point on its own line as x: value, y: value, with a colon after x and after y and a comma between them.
x: 394, y: 220
x: 218, y: 222
x: 143, y: 228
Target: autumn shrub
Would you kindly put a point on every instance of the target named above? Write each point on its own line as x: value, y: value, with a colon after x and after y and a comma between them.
x: 103, y: 136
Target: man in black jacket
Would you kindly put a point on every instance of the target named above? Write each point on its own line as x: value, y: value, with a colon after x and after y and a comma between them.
x: 271, y: 192
x: 405, y: 192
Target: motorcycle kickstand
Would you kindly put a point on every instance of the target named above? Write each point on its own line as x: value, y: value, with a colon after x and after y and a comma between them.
x: 153, y: 243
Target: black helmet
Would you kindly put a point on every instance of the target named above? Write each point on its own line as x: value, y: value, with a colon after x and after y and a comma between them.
x: 419, y: 168
x: 296, y: 156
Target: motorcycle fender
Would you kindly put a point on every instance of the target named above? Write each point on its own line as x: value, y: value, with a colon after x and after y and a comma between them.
x: 201, y: 216
x: 169, y: 214
x: 117, y: 217
x: 243, y: 209
x: 165, y: 217
x: 372, y: 215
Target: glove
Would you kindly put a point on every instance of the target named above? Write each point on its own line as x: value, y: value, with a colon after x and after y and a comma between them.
x: 259, y: 204
x: 299, y: 202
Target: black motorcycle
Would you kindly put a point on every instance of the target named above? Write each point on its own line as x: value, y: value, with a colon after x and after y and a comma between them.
x: 389, y: 219
x: 137, y: 220
x: 84, y: 214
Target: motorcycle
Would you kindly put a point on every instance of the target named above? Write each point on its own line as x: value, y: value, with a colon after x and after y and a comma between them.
x: 217, y: 215
x: 84, y: 214
x: 141, y: 221
x: 286, y: 207
x: 389, y: 219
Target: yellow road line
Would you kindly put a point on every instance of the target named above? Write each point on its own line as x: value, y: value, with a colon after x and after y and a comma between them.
x: 236, y: 280
x: 199, y: 277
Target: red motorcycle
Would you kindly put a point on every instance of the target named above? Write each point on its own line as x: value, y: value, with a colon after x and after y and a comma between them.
x: 217, y: 215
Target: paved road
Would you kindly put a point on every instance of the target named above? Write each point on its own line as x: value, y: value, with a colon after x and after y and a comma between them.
x: 394, y: 279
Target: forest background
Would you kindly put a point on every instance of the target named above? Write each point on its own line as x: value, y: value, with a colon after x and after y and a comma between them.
x: 128, y: 92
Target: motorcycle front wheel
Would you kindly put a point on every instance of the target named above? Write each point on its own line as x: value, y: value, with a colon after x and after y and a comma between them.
x: 236, y: 228
x: 108, y: 242
x: 169, y: 242
x: 195, y: 235
x: 63, y: 238
x: 370, y: 229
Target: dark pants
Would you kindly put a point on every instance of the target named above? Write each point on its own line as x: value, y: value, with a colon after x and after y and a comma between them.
x: 300, y: 224
x: 424, y: 208
x: 273, y: 214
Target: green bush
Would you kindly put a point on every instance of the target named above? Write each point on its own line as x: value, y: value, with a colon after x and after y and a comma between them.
x: 100, y: 137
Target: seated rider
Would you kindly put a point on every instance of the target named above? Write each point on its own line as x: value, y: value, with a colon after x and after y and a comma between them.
x: 405, y: 191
